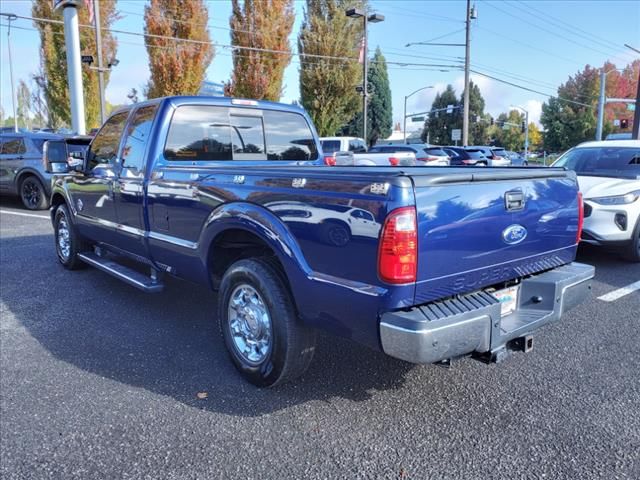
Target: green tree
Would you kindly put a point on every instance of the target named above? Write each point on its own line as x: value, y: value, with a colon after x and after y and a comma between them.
x: 177, y: 68
x: 379, y: 114
x: 509, y: 133
x: 327, y: 87
x: 438, y: 125
x: 54, y: 61
x: 24, y: 105
x: 261, y: 25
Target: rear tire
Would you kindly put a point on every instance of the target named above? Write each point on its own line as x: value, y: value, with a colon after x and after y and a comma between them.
x: 259, y: 325
x: 33, y: 194
x: 68, y: 242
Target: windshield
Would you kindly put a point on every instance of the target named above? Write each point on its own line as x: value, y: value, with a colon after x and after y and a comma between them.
x: 330, y: 146
x: 618, y: 162
x: 475, y: 154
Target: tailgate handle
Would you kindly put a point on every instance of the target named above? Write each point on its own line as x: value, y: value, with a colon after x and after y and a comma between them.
x: 514, y: 200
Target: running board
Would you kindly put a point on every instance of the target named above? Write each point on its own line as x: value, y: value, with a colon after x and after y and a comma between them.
x: 126, y: 274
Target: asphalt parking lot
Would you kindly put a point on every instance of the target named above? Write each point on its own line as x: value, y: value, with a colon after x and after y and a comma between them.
x: 99, y: 380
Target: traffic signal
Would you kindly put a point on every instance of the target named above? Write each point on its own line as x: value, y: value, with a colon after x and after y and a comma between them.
x: 523, y: 127
x: 624, y: 124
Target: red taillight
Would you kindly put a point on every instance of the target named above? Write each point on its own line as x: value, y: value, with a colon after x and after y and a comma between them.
x: 422, y: 159
x: 580, y: 217
x: 469, y: 162
x: 398, y: 254
x: 394, y: 161
x: 330, y: 160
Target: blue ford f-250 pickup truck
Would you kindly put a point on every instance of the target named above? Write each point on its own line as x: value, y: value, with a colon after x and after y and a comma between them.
x: 424, y: 263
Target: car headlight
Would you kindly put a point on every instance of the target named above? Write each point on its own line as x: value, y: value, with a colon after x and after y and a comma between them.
x: 618, y: 199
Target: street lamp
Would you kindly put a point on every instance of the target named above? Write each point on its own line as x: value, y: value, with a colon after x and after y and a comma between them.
x: 404, y: 128
x: 526, y: 131
x: 373, y: 18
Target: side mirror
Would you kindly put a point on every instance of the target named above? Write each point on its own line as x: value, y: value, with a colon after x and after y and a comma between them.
x: 75, y: 161
x: 54, y: 156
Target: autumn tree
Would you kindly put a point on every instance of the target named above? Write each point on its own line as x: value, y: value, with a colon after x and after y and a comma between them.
x: 262, y: 27
x: 54, y: 60
x: 177, y: 67
x: 327, y: 86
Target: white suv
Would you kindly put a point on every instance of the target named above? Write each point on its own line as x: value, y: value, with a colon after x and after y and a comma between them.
x: 609, y: 178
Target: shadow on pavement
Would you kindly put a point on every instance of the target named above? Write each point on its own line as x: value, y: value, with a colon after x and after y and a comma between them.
x: 166, y: 343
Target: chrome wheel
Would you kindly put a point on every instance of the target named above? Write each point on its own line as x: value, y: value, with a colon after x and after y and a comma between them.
x: 249, y: 324
x: 64, y: 239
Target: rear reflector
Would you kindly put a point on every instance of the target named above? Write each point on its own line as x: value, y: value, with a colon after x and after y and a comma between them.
x: 580, y: 217
x: 398, y: 254
x: 394, y: 161
x: 330, y: 160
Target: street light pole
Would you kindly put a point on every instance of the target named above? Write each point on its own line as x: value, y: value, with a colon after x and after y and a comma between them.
x: 601, y: 102
x: 467, y: 50
x: 373, y: 18
x: 11, y: 18
x: 96, y: 19
x: 404, y: 128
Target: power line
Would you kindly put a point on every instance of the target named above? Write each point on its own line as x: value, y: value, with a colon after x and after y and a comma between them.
x: 554, y: 33
x: 531, y: 90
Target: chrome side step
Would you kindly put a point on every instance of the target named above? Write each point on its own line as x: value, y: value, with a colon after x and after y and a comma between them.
x: 134, y: 278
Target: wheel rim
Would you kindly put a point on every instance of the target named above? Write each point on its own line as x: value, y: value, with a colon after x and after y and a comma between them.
x: 64, y: 239
x: 338, y: 236
x: 31, y: 194
x: 249, y: 324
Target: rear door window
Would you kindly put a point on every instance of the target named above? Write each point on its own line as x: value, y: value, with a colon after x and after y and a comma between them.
x: 13, y: 146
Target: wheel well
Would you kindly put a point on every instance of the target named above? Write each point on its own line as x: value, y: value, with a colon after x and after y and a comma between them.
x: 24, y: 175
x: 56, y: 201
x: 233, y: 245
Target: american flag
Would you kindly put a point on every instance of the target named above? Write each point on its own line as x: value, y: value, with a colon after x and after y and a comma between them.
x: 89, y: 5
x: 361, y: 54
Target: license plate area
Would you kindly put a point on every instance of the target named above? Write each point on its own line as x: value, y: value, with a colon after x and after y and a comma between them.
x: 508, y: 298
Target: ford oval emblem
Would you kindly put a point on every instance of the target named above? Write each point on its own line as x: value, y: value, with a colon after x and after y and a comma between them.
x: 514, y: 234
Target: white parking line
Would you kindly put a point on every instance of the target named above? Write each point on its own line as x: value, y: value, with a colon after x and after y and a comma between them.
x: 619, y: 293
x: 20, y: 214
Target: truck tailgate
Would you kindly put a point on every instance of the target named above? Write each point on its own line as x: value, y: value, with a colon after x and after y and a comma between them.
x: 487, y: 226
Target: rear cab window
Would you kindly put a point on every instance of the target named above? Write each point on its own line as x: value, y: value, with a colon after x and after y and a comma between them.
x: 330, y: 146
x: 210, y: 132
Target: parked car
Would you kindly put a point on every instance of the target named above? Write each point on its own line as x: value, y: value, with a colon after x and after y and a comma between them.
x: 425, y: 154
x: 21, y: 168
x: 216, y: 191
x: 342, y: 144
x: 517, y: 160
x: 619, y: 136
x: 497, y: 156
x: 609, y: 179
x: 369, y: 159
x: 466, y: 156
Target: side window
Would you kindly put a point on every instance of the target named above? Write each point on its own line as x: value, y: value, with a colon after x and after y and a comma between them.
x: 199, y: 133
x: 13, y: 146
x: 104, y: 148
x: 137, y: 137
x: 361, y: 146
x: 247, y: 137
x: 353, y: 146
x: 289, y: 137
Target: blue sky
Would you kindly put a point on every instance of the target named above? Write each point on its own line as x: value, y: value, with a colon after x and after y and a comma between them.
x: 534, y: 43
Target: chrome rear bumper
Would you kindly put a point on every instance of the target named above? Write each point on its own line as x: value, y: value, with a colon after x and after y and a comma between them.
x: 471, y: 323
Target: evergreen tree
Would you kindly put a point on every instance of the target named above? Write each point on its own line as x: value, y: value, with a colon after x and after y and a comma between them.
x: 177, y: 68
x: 327, y: 87
x: 477, y: 119
x: 24, y: 105
x: 438, y: 125
x: 263, y: 25
x: 54, y: 60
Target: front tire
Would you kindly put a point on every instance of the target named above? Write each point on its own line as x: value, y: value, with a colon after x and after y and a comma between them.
x: 259, y: 325
x: 33, y: 194
x: 68, y: 242
x: 633, y: 250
